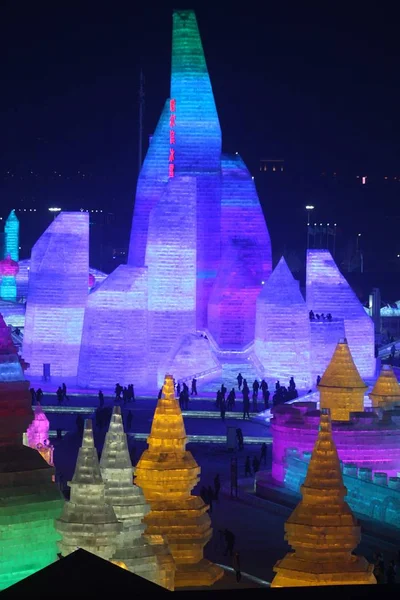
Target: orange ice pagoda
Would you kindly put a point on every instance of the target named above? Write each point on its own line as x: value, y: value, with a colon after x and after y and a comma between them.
x: 386, y: 391
x: 322, y: 530
x: 341, y: 387
x: 167, y: 473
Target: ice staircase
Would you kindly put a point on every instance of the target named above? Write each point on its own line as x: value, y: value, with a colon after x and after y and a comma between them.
x: 233, y: 362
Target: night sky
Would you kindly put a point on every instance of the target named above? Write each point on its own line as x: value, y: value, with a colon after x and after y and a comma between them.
x: 317, y: 85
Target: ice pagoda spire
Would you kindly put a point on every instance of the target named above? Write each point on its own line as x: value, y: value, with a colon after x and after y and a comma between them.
x: 153, y: 562
x: 341, y: 387
x: 167, y: 473
x: 322, y: 529
x: 87, y: 520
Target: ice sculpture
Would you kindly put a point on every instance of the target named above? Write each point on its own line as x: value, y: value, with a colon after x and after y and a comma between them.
x: 329, y: 292
x: 341, y: 388
x: 191, y: 204
x: 114, y: 341
x: 8, y: 272
x: 30, y: 501
x: 322, y: 529
x: 167, y: 473
x: 153, y: 562
x: 11, y: 236
x: 87, y: 520
x: 37, y: 435
x: 57, y: 296
x: 282, y: 341
x: 386, y: 391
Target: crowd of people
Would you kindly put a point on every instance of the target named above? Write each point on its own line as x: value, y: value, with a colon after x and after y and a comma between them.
x: 319, y: 317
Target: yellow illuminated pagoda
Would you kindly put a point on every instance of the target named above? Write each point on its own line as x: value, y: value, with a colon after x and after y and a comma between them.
x: 167, y: 473
x: 341, y: 387
x: 322, y: 530
x: 386, y: 391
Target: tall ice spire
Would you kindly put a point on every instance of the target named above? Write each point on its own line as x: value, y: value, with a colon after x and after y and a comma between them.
x: 87, y: 520
x: 322, y: 529
x: 167, y: 473
x: 153, y: 562
x: 198, y: 133
x: 341, y: 387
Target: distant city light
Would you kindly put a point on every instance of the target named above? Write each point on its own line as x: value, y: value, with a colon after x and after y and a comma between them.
x: 54, y: 209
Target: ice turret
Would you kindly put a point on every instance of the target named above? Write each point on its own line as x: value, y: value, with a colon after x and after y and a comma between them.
x: 167, y: 473
x: 341, y: 387
x: 87, y: 520
x: 153, y: 562
x: 322, y: 529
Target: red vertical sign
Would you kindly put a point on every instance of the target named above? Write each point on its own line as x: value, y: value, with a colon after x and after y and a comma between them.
x: 172, y: 124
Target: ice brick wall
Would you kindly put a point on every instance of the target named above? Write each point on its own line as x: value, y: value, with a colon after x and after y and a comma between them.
x: 329, y: 292
x: 364, y: 440
x: 151, y: 183
x: 282, y: 340
x: 245, y: 257
x: 171, y: 261
x: 371, y: 494
x: 114, y: 342
x: 325, y: 336
x: 57, y: 295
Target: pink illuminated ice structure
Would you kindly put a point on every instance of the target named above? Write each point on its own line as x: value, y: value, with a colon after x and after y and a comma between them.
x: 8, y: 271
x: 38, y: 435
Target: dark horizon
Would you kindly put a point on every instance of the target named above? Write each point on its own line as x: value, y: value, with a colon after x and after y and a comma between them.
x: 312, y: 86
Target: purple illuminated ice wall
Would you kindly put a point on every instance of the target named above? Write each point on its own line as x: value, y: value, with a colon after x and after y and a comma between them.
x: 245, y: 258
x: 57, y: 295
x: 282, y: 341
x: 329, y: 292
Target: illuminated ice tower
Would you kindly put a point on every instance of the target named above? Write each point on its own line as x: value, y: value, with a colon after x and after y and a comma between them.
x: 197, y: 225
x: 11, y: 237
x: 153, y: 562
x: 167, y: 473
x: 88, y: 521
x: 322, y: 529
x: 30, y: 501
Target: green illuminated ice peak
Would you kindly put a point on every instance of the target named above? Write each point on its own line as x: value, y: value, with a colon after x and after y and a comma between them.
x: 195, y: 118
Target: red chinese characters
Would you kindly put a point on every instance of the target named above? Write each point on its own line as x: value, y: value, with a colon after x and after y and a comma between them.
x: 172, y: 124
